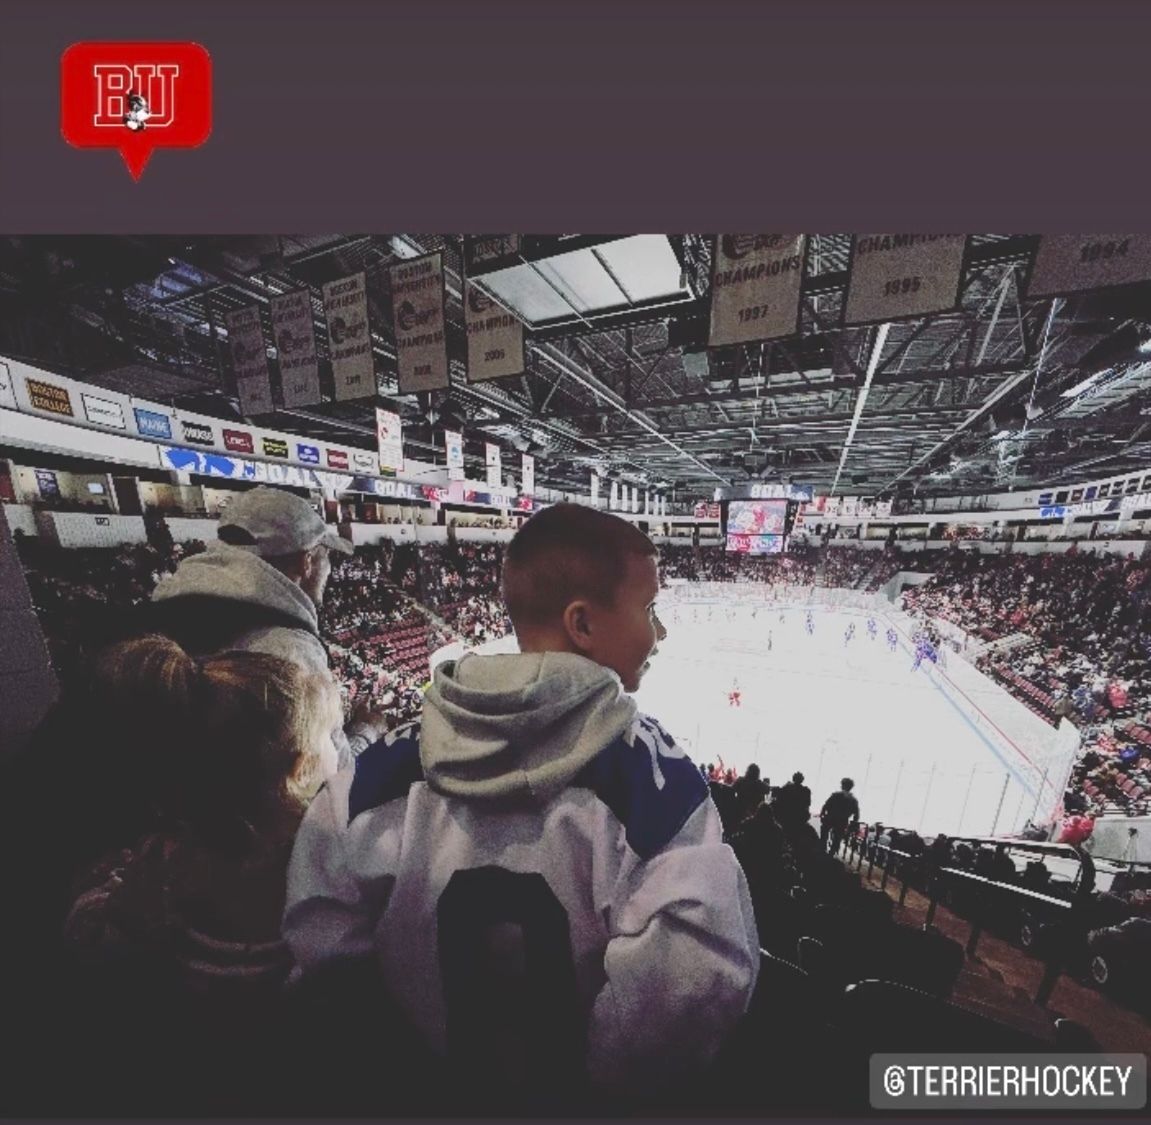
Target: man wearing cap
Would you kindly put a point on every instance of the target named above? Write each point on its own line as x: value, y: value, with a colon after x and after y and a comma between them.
x: 259, y: 589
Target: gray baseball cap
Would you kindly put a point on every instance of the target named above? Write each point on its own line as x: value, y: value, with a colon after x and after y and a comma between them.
x: 275, y: 522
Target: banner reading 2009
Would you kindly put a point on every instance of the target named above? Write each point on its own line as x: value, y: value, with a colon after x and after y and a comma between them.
x: 495, y: 337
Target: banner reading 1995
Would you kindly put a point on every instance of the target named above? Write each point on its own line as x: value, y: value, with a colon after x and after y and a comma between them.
x: 755, y: 287
x: 895, y: 276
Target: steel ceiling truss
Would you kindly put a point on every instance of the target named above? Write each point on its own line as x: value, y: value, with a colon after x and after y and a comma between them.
x: 629, y: 395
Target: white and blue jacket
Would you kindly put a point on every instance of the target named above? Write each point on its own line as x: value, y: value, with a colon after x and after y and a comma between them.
x: 533, y: 792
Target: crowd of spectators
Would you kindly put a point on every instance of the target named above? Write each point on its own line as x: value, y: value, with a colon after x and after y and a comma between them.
x: 844, y: 567
x: 1083, y: 652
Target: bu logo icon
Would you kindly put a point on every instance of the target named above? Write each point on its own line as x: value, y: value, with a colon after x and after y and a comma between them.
x: 135, y: 97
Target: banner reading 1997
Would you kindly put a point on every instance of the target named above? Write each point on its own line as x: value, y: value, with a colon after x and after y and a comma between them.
x: 755, y: 287
x: 1074, y: 263
x: 894, y: 276
x: 249, y: 361
x: 418, y: 309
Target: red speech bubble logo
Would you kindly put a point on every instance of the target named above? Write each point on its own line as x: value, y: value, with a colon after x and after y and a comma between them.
x: 136, y: 97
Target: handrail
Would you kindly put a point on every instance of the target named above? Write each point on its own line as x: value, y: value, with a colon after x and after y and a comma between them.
x: 859, y: 843
x: 1038, y: 847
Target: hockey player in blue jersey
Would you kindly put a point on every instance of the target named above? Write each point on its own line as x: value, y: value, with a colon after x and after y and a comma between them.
x: 849, y: 633
x: 809, y: 624
x: 892, y: 639
x: 537, y: 868
x: 924, y: 650
x: 872, y: 628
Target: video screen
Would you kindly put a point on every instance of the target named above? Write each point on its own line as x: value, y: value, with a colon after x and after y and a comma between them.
x: 756, y: 517
x: 755, y: 544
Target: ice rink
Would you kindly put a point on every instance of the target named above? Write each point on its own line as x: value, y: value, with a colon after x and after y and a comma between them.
x: 830, y: 708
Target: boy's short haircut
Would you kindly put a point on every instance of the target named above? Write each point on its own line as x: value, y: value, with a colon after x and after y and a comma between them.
x: 566, y: 552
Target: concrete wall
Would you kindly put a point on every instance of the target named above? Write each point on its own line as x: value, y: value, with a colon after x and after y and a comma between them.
x: 79, y: 529
x: 27, y: 682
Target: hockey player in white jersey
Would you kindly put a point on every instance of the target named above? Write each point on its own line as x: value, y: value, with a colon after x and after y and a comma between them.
x: 538, y: 867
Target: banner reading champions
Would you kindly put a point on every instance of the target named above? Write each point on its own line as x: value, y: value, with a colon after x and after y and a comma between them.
x: 418, y: 312
x: 528, y: 487
x: 1074, y: 263
x: 454, y: 444
x: 389, y: 432
x: 295, y: 337
x: 755, y: 287
x: 495, y: 337
x: 895, y: 276
x: 249, y: 361
x: 350, y: 337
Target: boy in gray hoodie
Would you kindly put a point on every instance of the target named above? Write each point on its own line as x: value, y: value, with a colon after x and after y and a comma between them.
x: 538, y: 867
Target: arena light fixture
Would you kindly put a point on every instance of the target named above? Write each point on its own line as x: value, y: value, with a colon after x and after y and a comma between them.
x: 612, y: 275
x: 1079, y: 388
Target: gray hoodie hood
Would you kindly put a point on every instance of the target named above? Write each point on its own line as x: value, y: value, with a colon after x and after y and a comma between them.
x: 518, y: 726
x: 238, y: 575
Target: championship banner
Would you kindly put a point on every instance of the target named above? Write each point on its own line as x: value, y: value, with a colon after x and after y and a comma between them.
x: 1075, y: 263
x: 350, y: 338
x: 755, y: 287
x: 495, y: 338
x: 594, y: 490
x: 613, y: 496
x: 295, y: 338
x: 492, y: 459
x: 249, y: 361
x: 389, y: 432
x: 454, y: 444
x: 895, y: 276
x: 528, y: 468
x: 418, y: 313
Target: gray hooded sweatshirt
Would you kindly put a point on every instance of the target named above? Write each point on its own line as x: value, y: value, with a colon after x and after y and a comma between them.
x: 228, y: 598
x: 518, y: 727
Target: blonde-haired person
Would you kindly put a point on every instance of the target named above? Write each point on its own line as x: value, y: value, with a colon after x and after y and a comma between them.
x: 230, y: 750
x: 174, y: 952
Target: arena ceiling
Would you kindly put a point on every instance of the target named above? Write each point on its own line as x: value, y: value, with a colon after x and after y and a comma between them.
x: 1003, y: 392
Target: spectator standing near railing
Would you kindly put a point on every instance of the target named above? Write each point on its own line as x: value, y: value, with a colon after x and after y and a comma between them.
x: 259, y: 589
x: 840, y: 813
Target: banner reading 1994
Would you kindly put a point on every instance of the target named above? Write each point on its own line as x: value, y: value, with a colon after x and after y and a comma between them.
x: 418, y: 309
x: 755, y: 287
x: 1074, y: 263
x: 249, y: 361
x: 894, y: 276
